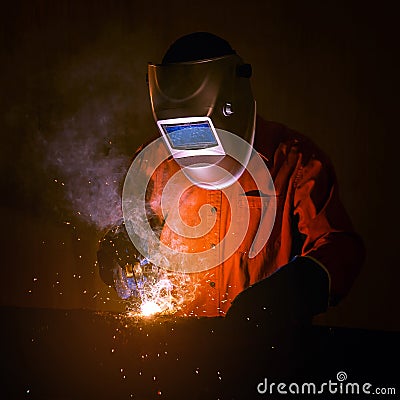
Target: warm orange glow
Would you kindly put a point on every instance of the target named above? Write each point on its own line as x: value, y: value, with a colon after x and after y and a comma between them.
x: 149, y: 308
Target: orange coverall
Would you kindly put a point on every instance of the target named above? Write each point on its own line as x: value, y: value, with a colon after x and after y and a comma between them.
x: 310, y: 221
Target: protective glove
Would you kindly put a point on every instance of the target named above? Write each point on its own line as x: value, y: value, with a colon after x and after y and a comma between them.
x: 295, y: 292
x: 122, y: 266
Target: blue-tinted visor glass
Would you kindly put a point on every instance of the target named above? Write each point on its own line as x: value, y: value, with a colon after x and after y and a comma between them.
x: 190, y: 135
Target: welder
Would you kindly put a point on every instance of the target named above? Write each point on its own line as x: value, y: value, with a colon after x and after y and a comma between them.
x: 202, y: 100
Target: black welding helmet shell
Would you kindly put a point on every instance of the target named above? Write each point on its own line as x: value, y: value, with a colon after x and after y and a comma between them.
x: 201, y: 108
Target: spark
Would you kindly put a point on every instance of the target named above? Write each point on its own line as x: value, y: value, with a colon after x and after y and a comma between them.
x: 149, y: 308
x: 158, y: 292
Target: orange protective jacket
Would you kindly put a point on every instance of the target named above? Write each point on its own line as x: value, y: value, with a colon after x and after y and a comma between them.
x: 310, y: 221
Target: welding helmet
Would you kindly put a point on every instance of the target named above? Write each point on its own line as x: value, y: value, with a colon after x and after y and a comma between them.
x: 202, y: 102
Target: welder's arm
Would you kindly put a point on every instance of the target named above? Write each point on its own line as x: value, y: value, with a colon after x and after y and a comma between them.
x: 117, y: 260
x: 328, y: 263
x: 296, y: 291
x: 329, y: 236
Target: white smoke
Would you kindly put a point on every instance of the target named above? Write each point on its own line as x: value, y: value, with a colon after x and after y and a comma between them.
x: 90, y: 137
x: 91, y: 171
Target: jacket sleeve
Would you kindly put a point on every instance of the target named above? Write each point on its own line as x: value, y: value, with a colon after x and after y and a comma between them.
x: 330, y: 239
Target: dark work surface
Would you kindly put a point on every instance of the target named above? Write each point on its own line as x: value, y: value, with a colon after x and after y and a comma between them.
x: 81, y: 354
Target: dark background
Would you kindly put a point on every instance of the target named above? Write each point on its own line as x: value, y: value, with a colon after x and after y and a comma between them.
x: 75, y: 107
